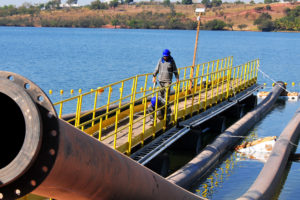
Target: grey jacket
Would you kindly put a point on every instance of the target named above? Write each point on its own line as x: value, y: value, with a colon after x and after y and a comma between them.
x: 165, y: 69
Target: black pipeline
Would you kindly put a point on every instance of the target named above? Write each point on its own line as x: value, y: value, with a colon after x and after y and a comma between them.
x: 270, y: 176
x: 49, y: 157
x: 198, y: 167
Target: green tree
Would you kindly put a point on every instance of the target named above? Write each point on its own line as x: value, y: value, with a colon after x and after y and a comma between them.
x: 268, y: 1
x: 167, y: 2
x: 207, y: 3
x: 230, y: 25
x: 242, y: 26
x: 266, y: 26
x: 263, y: 17
x: 128, y: 1
x: 115, y: 22
x: 97, y: 5
x: 114, y: 3
x: 290, y: 22
x: 187, y: 2
x: 71, y: 2
x: 215, y: 24
x: 216, y: 3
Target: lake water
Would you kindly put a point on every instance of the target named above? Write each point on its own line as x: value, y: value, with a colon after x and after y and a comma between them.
x: 59, y: 58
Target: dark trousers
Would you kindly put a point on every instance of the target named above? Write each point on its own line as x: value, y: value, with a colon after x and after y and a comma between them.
x: 163, y: 92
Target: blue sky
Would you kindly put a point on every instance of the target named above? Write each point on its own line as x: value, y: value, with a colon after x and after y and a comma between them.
x: 20, y: 2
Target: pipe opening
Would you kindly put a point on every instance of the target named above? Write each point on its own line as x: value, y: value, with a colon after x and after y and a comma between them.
x: 12, y: 130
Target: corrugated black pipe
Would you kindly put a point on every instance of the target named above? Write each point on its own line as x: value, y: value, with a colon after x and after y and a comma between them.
x: 213, y: 153
x: 270, y: 176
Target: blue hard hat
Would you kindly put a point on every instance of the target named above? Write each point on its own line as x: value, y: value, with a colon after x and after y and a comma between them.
x: 153, y: 100
x: 166, y: 52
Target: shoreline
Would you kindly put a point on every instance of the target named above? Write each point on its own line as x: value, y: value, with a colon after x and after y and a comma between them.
x: 119, y: 27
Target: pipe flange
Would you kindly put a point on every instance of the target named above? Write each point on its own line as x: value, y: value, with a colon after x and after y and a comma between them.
x: 34, y: 91
x: 21, y: 176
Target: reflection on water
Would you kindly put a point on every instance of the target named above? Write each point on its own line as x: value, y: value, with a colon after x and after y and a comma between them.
x: 215, y: 180
x: 233, y: 178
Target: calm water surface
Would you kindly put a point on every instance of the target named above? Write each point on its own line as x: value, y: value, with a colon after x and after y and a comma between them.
x: 58, y: 58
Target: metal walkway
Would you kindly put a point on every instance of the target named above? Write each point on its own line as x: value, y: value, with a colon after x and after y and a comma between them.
x: 119, y: 116
x: 149, y: 151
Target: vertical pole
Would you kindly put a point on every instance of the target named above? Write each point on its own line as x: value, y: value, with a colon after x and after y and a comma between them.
x: 95, y: 106
x: 166, y: 108
x: 200, y: 91
x: 176, y: 101
x: 116, y: 128
x: 217, y: 73
x: 237, y: 78
x: 144, y: 119
x: 212, y: 83
x: 130, y: 128
x: 155, y: 115
x: 121, y: 94
x: 60, y: 110
x: 108, y: 101
x: 256, y: 69
x: 185, y: 99
x: 206, y: 86
x: 100, y: 129
x: 195, y: 50
x: 78, y: 110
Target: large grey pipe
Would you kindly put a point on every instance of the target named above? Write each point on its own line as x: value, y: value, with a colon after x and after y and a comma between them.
x: 211, y: 155
x: 270, y: 176
x: 47, y: 156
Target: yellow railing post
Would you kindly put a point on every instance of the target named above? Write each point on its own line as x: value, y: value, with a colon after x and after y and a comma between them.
x: 100, y: 129
x: 166, y: 108
x: 185, y: 98
x: 95, y: 107
x: 184, y: 77
x: 144, y: 119
x: 212, y: 84
x: 132, y: 89
x: 228, y: 82
x: 247, y: 76
x: 193, y: 94
x: 223, y: 80
x: 130, y: 128
x: 206, y: 87
x: 217, y: 74
x: 238, y: 79
x: 60, y: 110
x: 135, y: 86
x: 155, y: 115
x: 242, y: 72
x: 108, y: 101
x: 251, y: 72
x: 233, y: 81
x: 116, y: 128
x: 145, y: 86
x: 78, y: 110
x: 121, y: 94
x: 176, y: 101
x: 200, y: 91
x: 257, y: 63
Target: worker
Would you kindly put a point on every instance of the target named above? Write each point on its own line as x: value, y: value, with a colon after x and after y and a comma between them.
x: 166, y: 67
x: 160, y: 114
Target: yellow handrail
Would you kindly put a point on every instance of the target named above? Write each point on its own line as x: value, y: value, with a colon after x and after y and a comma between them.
x: 220, y: 78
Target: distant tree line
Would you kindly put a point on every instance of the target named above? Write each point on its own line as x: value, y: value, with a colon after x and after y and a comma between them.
x: 29, y: 15
x: 291, y: 22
